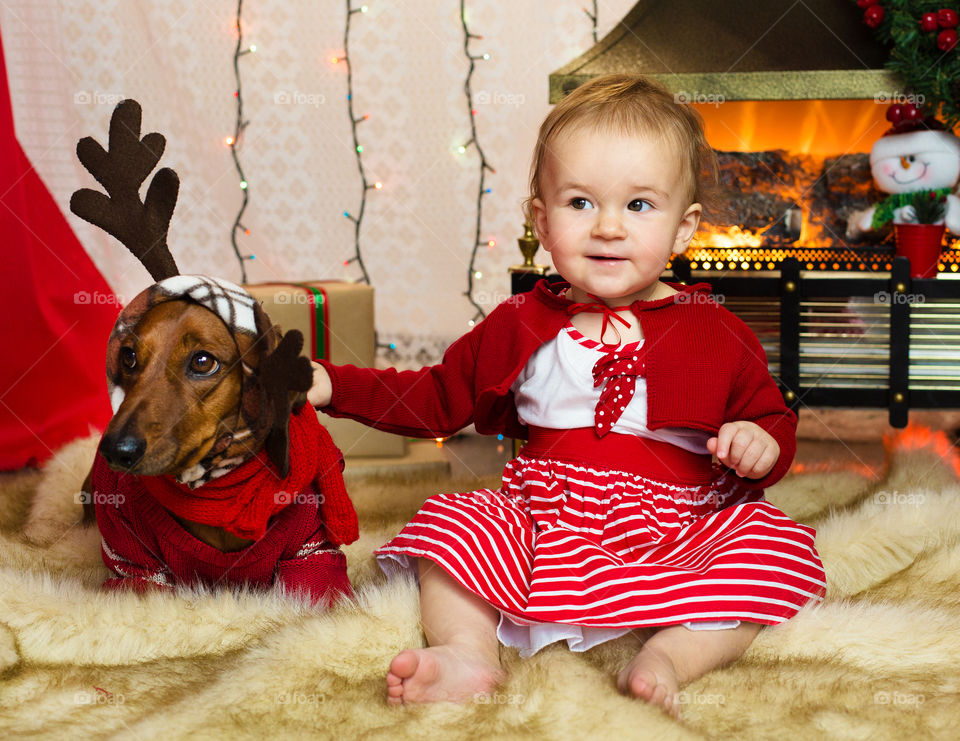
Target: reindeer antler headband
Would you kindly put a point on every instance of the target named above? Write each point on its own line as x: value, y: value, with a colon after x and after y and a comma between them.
x: 141, y: 226
x: 273, y: 368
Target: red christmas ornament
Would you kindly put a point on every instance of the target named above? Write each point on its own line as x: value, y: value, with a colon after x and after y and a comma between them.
x: 929, y: 22
x: 873, y: 16
x: 895, y: 113
x: 867, y: 3
x: 948, y: 18
x: 947, y: 40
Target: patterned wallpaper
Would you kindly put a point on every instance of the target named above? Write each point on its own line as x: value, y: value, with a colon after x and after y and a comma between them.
x: 70, y: 62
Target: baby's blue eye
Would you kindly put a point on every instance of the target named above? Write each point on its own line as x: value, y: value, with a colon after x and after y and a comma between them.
x: 639, y: 205
x: 580, y: 203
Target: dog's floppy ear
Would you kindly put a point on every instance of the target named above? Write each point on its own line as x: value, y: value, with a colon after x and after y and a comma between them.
x: 282, y: 373
x: 121, y: 169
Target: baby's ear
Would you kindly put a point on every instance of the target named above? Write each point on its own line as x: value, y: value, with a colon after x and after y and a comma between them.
x: 539, y: 213
x: 687, y: 228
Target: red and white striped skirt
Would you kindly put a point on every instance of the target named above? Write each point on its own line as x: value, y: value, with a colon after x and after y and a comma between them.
x: 567, y: 542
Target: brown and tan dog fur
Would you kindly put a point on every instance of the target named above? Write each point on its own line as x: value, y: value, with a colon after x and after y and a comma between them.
x: 181, y: 378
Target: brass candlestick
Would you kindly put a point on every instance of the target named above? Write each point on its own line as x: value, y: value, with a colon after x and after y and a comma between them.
x: 528, y: 247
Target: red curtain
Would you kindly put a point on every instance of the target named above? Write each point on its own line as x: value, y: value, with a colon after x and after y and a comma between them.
x: 57, y: 311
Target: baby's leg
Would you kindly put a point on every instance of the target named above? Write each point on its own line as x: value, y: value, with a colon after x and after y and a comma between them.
x: 463, y: 658
x: 677, y: 655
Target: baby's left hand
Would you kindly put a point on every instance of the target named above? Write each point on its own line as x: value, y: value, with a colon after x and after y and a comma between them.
x: 745, y: 447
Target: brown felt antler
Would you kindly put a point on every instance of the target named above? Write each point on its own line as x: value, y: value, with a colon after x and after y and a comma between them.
x: 140, y: 225
x: 282, y: 372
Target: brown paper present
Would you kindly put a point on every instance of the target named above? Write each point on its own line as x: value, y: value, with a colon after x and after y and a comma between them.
x: 336, y: 319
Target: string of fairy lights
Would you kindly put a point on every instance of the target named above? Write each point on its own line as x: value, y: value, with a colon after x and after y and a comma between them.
x: 366, y: 185
x: 593, y: 19
x: 472, y: 273
x: 357, y: 216
x: 233, y: 143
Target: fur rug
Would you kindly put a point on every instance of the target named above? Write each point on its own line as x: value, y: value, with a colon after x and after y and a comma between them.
x: 879, y: 659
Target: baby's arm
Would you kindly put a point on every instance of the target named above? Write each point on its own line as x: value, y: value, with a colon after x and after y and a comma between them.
x: 745, y: 447
x: 321, y: 392
x: 435, y: 401
x: 755, y: 401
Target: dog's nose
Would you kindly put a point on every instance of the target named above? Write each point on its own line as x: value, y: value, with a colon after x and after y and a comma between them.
x: 123, y: 451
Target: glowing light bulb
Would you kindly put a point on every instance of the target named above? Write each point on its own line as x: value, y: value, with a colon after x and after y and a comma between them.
x: 253, y: 48
x: 366, y: 116
x: 246, y: 232
x: 486, y: 56
x: 461, y: 149
x: 347, y: 214
x: 378, y: 185
x: 228, y: 141
x: 471, y: 323
x: 243, y: 184
x: 491, y: 243
x: 335, y: 60
x: 359, y: 148
x: 364, y: 8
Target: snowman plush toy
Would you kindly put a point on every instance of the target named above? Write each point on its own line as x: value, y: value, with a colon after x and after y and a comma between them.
x: 916, y: 156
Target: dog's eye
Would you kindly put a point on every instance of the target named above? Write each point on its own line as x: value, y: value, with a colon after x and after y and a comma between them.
x: 204, y: 364
x: 128, y: 358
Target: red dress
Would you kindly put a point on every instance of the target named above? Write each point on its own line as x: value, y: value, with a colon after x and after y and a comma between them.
x: 591, y: 535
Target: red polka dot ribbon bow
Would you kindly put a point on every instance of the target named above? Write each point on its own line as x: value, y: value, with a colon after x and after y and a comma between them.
x: 619, y: 370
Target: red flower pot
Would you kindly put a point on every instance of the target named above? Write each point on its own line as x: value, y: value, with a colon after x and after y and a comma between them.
x: 920, y: 243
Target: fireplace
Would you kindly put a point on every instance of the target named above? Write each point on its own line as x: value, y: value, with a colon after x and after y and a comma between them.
x: 793, y: 96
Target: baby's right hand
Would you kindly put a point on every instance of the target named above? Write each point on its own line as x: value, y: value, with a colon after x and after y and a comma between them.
x: 321, y: 392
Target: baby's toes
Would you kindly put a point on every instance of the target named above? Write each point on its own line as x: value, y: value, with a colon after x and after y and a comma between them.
x: 642, y: 683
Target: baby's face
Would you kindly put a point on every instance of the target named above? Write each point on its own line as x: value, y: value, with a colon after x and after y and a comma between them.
x: 614, y: 208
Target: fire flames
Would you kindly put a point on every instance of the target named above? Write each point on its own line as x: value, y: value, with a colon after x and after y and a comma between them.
x: 802, y: 162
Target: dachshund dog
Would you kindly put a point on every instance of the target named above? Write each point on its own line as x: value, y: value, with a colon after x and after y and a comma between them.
x: 213, y: 469
x: 181, y: 381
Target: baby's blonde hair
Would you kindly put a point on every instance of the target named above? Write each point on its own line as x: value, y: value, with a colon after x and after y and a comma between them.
x: 631, y: 105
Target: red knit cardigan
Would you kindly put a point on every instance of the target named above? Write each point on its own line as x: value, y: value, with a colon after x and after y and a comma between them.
x: 704, y: 367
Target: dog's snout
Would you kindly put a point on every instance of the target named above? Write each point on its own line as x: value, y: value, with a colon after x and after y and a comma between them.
x: 123, y: 450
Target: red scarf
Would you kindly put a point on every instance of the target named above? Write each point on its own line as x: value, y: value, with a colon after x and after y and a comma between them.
x: 243, y: 500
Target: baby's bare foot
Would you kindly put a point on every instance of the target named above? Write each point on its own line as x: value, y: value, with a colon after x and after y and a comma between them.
x: 449, y: 673
x: 651, y: 676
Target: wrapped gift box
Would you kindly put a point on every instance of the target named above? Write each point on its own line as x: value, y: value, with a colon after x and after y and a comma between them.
x: 336, y: 319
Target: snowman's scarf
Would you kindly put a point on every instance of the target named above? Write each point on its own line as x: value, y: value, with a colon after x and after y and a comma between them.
x: 886, y: 208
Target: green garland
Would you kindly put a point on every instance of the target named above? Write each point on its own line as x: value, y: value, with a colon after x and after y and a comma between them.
x: 884, y: 210
x: 914, y: 56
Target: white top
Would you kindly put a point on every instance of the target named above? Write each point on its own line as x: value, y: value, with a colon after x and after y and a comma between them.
x: 555, y: 390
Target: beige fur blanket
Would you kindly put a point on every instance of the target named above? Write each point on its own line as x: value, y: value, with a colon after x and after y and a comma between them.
x: 879, y: 659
